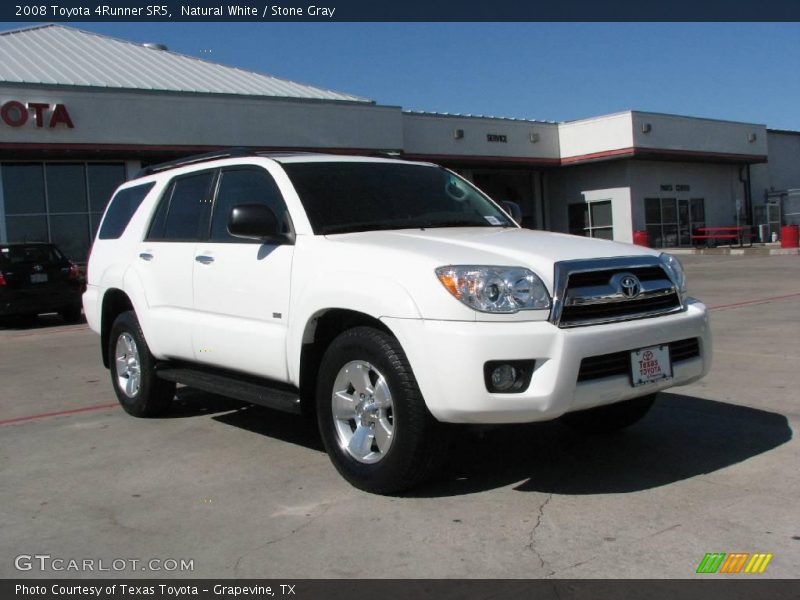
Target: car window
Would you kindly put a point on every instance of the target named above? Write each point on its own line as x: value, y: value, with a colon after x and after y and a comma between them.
x: 341, y: 197
x: 182, y: 209
x: 123, y: 205
x: 29, y: 254
x: 244, y: 186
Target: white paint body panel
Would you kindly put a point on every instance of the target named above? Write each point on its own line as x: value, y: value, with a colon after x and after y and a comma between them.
x: 241, y: 305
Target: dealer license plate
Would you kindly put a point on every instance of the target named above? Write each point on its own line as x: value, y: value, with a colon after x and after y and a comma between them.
x: 39, y: 278
x: 650, y: 365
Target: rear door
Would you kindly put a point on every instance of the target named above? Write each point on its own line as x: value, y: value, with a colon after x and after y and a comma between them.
x: 165, y: 261
x: 241, y: 287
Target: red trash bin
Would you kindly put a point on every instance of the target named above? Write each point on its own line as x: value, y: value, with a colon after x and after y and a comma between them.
x: 640, y: 238
x: 789, y: 236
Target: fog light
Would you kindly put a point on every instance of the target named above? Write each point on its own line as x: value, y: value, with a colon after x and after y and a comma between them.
x: 508, y: 376
x: 503, y: 378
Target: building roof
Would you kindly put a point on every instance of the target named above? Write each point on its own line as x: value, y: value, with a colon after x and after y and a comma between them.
x: 428, y: 113
x: 64, y: 56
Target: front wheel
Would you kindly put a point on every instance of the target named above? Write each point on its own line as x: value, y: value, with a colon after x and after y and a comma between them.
x: 140, y: 392
x: 372, y: 417
x: 610, y: 418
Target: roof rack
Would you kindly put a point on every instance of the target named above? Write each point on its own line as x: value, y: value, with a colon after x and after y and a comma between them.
x: 197, y: 158
x: 235, y: 152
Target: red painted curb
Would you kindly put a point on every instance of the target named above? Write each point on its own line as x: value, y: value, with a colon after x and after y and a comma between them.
x: 57, y: 413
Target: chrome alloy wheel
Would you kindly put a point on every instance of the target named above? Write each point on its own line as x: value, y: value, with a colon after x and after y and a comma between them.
x: 363, y: 413
x: 128, y: 365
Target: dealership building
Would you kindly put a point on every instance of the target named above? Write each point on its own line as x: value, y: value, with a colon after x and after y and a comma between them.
x: 81, y: 112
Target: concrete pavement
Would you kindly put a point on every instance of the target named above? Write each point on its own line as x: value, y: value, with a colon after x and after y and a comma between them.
x: 246, y: 492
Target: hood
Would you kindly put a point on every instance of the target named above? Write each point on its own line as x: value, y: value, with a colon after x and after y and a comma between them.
x: 536, y: 250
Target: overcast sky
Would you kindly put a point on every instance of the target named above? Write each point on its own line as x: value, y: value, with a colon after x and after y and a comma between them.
x: 743, y: 72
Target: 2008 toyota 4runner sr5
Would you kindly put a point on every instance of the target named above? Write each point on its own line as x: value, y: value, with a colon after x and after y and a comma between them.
x: 389, y: 298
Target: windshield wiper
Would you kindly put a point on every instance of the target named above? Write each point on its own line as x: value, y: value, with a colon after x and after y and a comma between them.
x: 461, y: 223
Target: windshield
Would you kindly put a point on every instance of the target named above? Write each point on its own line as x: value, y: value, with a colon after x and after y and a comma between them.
x: 343, y: 197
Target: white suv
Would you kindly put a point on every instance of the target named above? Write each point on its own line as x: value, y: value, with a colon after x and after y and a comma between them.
x: 389, y: 298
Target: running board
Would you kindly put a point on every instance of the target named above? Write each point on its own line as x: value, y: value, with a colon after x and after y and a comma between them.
x: 241, y: 387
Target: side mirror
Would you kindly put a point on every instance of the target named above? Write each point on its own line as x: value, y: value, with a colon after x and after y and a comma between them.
x: 256, y: 222
x: 513, y: 209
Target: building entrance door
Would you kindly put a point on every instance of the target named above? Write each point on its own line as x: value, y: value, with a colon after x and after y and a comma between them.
x: 684, y: 224
x: 670, y: 221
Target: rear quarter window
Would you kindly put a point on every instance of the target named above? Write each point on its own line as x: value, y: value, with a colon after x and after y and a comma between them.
x: 123, y: 205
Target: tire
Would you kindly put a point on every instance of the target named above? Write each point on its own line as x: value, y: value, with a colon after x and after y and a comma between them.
x: 71, y: 314
x: 386, y: 446
x: 607, y: 419
x: 132, y: 368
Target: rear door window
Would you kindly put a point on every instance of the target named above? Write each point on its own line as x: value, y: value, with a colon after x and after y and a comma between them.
x: 183, y: 209
x: 123, y: 205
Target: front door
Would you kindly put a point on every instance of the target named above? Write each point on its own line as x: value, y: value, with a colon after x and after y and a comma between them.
x: 241, y: 287
x: 684, y: 224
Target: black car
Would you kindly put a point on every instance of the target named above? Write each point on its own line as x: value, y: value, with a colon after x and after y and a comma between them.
x: 37, y: 278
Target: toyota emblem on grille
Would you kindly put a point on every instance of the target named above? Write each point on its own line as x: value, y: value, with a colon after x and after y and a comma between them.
x: 630, y: 286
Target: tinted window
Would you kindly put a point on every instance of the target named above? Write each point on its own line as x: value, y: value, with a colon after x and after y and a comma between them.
x: 23, y: 188
x: 244, y: 186
x: 156, y: 231
x: 342, y: 197
x: 26, y: 254
x: 652, y: 210
x: 66, y: 188
x: 124, y: 204
x: 70, y: 232
x: 103, y: 180
x: 27, y: 228
x: 182, y: 209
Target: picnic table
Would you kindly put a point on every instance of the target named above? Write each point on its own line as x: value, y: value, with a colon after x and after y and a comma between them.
x: 737, y: 233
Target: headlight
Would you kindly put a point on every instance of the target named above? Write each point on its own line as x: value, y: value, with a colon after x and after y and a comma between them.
x: 676, y: 273
x: 495, y: 289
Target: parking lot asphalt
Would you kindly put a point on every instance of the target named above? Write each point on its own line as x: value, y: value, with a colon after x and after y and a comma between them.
x: 246, y: 492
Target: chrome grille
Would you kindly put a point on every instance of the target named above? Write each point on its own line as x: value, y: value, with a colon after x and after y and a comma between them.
x: 591, y: 292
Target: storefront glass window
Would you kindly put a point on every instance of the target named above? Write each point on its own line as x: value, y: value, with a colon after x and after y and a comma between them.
x: 23, y: 188
x: 592, y: 220
x: 103, y: 180
x: 58, y: 202
x: 66, y: 188
x: 71, y: 234
x: 671, y: 222
x: 26, y: 228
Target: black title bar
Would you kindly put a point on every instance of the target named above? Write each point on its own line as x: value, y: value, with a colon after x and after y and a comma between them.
x: 406, y: 10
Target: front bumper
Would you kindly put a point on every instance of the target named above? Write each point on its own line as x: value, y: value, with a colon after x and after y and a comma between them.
x: 448, y: 358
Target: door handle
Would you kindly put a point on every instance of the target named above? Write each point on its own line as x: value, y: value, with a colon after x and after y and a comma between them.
x: 146, y: 256
x: 206, y: 260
